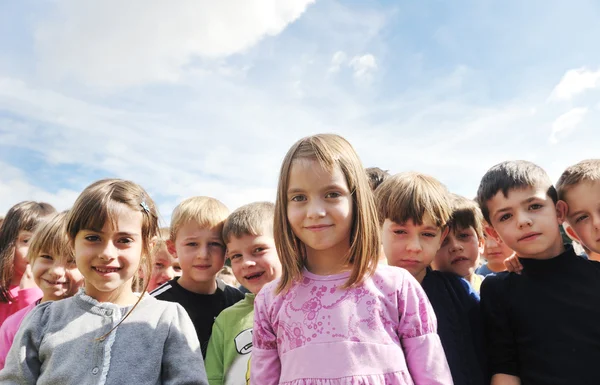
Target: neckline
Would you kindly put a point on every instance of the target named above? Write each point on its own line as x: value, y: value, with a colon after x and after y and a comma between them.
x: 562, y: 257
x: 331, y: 277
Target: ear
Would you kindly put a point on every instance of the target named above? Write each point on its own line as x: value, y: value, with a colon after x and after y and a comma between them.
x: 171, y: 248
x: 493, y: 233
x: 153, y: 241
x: 561, y: 211
x: 571, y: 233
x: 481, y: 245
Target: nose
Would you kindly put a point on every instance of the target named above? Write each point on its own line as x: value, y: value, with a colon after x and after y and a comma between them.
x: 596, y: 221
x: 316, y: 209
x: 57, y: 270
x: 109, y: 252
x: 490, y: 242
x: 524, y: 220
x: 167, y: 274
x: 414, y: 245
x: 248, y: 262
x: 454, y: 245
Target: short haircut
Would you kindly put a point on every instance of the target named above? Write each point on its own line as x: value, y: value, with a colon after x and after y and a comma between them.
x: 376, y: 176
x: 413, y: 196
x: 207, y: 212
x: 585, y: 171
x: 465, y: 214
x: 251, y: 219
x: 51, y: 238
x: 512, y: 175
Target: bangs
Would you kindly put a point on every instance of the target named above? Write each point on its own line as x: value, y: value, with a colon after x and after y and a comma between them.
x: 93, y: 214
x: 51, y: 239
x: 207, y: 212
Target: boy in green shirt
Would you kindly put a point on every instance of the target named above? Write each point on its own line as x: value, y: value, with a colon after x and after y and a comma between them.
x: 248, y: 235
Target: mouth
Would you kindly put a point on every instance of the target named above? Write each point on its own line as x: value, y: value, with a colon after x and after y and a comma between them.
x: 105, y: 270
x: 409, y: 262
x: 202, y: 267
x: 254, y: 276
x: 56, y: 283
x: 529, y: 237
x: 318, y: 227
x: 459, y: 260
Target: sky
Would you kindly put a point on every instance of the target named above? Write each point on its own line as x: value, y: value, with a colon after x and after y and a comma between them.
x: 199, y: 97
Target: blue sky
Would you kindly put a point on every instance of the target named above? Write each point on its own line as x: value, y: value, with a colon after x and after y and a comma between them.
x: 204, y: 98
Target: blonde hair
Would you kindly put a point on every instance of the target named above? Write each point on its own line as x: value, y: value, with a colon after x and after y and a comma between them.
x: 101, y: 202
x: 413, y: 196
x: 465, y: 213
x: 207, y: 212
x: 329, y: 151
x: 586, y: 170
x: 51, y: 238
x: 251, y: 219
x: 24, y: 216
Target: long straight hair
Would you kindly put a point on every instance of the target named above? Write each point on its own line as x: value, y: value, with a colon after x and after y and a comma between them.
x: 24, y: 216
x: 330, y: 151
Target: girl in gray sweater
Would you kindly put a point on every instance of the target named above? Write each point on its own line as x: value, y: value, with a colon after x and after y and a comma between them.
x: 106, y: 334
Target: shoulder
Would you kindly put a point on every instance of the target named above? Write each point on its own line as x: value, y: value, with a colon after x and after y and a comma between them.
x: 166, y: 291
x: 14, y: 320
x: 234, y: 312
x: 230, y: 292
x: 391, y: 275
x: 497, y: 282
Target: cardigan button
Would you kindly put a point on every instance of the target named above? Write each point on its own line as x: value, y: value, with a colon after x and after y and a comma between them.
x: 95, y: 370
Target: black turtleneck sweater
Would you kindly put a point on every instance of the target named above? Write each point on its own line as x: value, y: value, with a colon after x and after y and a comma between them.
x: 543, y: 326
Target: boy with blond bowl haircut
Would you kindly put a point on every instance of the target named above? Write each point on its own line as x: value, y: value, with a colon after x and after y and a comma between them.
x: 460, y: 250
x: 542, y: 325
x: 579, y: 188
x: 196, y: 241
x: 248, y: 234
x: 414, y: 211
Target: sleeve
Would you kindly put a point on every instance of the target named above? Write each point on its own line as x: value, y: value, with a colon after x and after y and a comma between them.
x: 417, y: 330
x: 215, y: 355
x: 23, y: 365
x: 182, y: 362
x: 265, y: 366
x: 499, y: 338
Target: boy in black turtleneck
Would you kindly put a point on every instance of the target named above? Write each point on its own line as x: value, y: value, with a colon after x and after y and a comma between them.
x: 543, y: 326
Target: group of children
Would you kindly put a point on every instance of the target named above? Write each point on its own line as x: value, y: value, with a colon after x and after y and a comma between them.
x: 348, y: 278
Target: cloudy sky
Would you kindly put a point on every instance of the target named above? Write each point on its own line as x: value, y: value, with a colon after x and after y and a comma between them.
x: 202, y: 97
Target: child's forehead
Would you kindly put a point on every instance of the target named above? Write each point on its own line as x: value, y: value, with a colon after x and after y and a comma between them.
x: 246, y: 240
x: 195, y: 229
x: 425, y: 222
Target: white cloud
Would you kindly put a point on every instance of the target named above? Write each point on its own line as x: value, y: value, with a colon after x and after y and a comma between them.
x: 566, y: 123
x: 363, y: 66
x: 337, y: 60
x: 574, y: 82
x: 120, y: 43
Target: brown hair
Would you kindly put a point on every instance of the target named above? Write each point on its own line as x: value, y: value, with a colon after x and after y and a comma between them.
x: 465, y: 214
x: 511, y: 175
x: 206, y: 211
x: 251, y: 219
x: 24, y: 216
x: 413, y: 196
x: 101, y: 202
x: 329, y: 151
x: 584, y: 171
x: 51, y: 238
x: 376, y: 176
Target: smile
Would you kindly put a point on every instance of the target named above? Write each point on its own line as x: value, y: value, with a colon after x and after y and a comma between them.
x: 529, y: 237
x: 202, y: 267
x: 254, y: 276
x: 106, y: 270
x: 317, y: 228
x: 56, y: 283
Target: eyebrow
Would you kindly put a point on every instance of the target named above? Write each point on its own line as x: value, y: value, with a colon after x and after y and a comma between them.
x: 120, y: 233
x: 334, y: 186
x: 528, y: 200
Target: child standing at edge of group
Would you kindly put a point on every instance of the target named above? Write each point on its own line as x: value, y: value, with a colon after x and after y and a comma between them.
x: 495, y: 252
x: 541, y: 325
x: 335, y: 315
x: 248, y: 234
x: 196, y: 240
x: 414, y: 210
x: 54, y: 271
x: 579, y: 188
x: 105, y: 334
x: 165, y: 266
x: 460, y: 250
x: 17, y: 288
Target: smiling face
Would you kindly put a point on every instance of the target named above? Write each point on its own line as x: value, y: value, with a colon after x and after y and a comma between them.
x: 319, y: 210
x: 254, y: 260
x: 527, y: 221
x: 201, y: 254
x: 583, y: 200
x: 410, y: 246
x: 56, y: 277
x: 459, y: 253
x: 109, y: 259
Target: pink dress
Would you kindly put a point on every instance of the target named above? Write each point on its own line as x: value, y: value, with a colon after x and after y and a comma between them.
x: 381, y: 332
x: 9, y: 329
x: 23, y: 298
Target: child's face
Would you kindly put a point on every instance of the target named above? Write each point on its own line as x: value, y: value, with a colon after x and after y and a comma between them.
x: 200, y: 251
x: 109, y: 259
x: 411, y: 246
x: 527, y: 221
x: 56, y: 277
x: 254, y: 260
x: 495, y: 251
x: 583, y: 216
x: 319, y: 208
x: 21, y: 248
x: 165, y: 268
x: 459, y: 253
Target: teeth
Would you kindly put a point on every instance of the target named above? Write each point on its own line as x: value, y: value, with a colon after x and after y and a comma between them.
x: 106, y: 270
